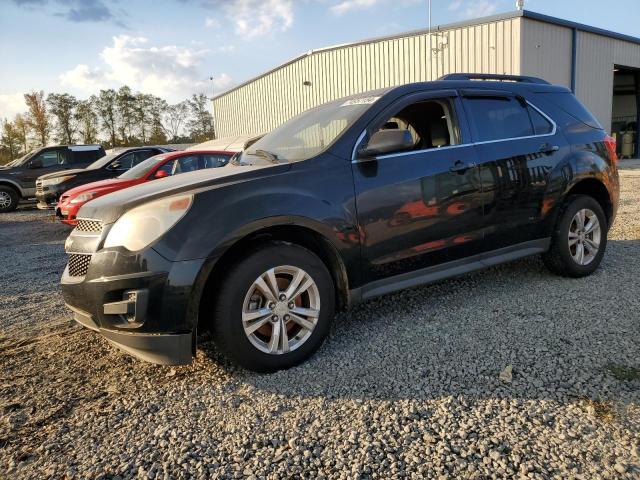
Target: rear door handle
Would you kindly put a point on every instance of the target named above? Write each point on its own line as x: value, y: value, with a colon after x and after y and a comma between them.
x: 460, y: 167
x: 548, y: 148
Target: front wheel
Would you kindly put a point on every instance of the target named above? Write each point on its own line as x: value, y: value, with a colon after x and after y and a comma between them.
x: 274, y: 308
x: 9, y: 199
x: 579, y: 240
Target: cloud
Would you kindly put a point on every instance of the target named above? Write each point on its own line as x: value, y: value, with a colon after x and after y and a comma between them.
x: 84, y: 78
x: 76, y: 10
x: 347, y: 5
x: 170, y: 71
x: 211, y: 22
x: 473, y: 8
x: 11, y: 104
x: 253, y: 18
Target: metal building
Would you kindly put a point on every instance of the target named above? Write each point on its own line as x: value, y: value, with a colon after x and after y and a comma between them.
x: 600, y: 66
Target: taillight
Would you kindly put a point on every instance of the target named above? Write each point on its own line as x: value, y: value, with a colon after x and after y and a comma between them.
x: 610, y: 143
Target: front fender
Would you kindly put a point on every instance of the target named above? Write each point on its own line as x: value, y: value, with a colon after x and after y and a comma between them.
x: 317, y: 195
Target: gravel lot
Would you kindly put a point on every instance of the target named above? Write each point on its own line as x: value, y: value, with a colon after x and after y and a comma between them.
x: 407, y: 386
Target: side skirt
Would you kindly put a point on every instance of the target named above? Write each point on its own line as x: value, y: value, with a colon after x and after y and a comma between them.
x: 449, y: 269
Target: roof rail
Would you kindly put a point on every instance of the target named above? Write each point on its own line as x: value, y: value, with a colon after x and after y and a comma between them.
x: 492, y: 76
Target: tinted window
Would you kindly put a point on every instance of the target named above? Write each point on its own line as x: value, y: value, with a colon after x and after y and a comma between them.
x: 570, y: 104
x: 142, y: 155
x: 51, y: 158
x: 186, y: 164
x: 85, y: 156
x: 541, y: 125
x: 124, y: 163
x: 214, y: 160
x: 498, y: 118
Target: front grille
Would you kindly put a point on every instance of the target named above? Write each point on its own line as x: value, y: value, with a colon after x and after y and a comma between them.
x: 39, y: 188
x: 94, y: 226
x: 78, y: 264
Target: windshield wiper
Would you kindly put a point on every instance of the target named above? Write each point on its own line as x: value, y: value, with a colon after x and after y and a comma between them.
x: 272, y: 157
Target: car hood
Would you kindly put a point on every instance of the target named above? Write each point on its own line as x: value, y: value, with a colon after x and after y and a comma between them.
x: 101, y: 186
x: 109, y: 208
x: 62, y: 173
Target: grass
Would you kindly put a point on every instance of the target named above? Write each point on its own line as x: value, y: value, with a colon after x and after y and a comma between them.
x: 601, y: 410
x: 622, y: 372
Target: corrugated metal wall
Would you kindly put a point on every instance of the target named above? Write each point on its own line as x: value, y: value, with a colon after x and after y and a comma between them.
x: 597, y: 57
x: 269, y: 100
x: 546, y: 51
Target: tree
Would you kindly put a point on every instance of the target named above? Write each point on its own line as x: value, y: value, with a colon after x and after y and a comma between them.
x: 157, y: 108
x: 37, y: 116
x: 125, y: 107
x: 87, y: 120
x: 62, y: 107
x: 174, y: 118
x: 22, y: 129
x: 10, y: 139
x: 107, y: 112
x: 201, y: 124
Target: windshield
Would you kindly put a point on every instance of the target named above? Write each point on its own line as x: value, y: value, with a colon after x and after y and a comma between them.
x: 101, y: 162
x: 142, y: 168
x: 310, y: 133
x: 24, y: 158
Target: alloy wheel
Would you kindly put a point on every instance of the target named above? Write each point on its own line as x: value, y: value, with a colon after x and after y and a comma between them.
x: 5, y: 200
x: 281, y: 310
x: 584, y: 236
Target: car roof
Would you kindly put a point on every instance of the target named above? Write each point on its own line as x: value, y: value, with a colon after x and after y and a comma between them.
x: 182, y: 153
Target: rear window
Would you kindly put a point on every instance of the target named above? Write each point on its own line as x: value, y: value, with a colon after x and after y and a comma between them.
x: 498, y: 118
x: 570, y: 104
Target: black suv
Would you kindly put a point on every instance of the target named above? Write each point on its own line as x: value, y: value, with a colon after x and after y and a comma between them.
x: 51, y: 186
x: 18, y: 178
x: 350, y: 200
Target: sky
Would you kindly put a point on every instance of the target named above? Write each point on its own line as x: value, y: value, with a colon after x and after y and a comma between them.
x: 172, y: 48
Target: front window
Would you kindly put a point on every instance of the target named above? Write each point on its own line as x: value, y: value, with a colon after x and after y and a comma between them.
x: 309, y: 133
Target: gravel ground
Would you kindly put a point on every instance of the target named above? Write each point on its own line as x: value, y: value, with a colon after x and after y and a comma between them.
x: 510, y: 372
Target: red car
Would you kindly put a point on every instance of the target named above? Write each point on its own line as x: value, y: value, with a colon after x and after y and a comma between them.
x: 159, y: 166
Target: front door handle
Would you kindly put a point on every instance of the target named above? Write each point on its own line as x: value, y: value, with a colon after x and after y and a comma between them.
x: 460, y: 167
x: 548, y: 148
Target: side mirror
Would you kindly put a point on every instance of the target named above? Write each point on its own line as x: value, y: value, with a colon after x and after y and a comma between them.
x: 387, y: 141
x: 35, y: 163
x: 115, y: 165
x: 161, y: 174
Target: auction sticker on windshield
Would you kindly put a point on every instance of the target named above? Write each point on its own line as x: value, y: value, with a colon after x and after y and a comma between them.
x: 360, y: 101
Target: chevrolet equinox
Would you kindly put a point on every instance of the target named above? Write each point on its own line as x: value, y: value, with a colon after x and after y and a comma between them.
x: 356, y: 198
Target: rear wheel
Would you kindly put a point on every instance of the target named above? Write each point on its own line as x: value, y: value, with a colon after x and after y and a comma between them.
x: 274, y: 308
x: 9, y: 199
x: 580, y: 238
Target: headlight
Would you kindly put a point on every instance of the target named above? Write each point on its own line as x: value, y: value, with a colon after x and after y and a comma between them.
x: 84, y: 197
x: 141, y: 225
x: 56, y: 180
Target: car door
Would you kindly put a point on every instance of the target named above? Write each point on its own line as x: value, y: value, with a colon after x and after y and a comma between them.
x: 422, y: 207
x: 517, y: 146
x: 47, y: 161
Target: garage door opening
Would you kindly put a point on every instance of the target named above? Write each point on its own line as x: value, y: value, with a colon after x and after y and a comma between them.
x: 626, y: 105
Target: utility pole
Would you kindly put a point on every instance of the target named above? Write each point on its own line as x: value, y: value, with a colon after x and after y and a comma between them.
x: 430, y: 47
x: 213, y: 108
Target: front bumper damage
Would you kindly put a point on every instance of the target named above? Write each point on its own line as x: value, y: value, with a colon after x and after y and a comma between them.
x: 140, y: 301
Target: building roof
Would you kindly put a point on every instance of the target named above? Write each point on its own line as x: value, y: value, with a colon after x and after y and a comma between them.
x: 450, y: 26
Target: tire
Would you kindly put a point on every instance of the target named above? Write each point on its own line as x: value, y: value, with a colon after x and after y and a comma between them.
x: 562, y: 258
x: 9, y: 199
x: 235, y: 305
